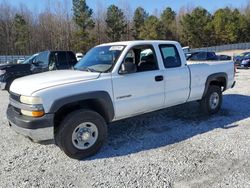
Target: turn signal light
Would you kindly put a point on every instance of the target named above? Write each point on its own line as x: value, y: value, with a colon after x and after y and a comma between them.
x: 32, y: 113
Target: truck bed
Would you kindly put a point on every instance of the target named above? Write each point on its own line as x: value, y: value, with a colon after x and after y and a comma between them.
x: 200, y: 70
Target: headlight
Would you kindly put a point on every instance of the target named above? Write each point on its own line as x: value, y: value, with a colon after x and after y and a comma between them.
x: 30, y: 100
x: 2, y: 72
x: 35, y: 101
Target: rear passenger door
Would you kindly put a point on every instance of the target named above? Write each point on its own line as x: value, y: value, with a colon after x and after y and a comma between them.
x: 176, y: 76
x: 143, y: 90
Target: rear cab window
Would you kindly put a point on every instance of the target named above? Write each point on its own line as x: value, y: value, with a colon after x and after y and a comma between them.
x: 170, y: 56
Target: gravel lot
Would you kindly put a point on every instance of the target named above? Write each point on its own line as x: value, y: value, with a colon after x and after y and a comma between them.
x: 176, y: 147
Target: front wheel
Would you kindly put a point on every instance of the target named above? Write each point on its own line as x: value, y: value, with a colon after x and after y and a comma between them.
x: 81, y: 134
x: 212, y: 101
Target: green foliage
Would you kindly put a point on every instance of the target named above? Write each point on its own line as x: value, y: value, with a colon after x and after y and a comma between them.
x: 115, y: 23
x: 152, y: 29
x: 30, y: 32
x: 197, y: 28
x: 83, y: 41
x: 247, y: 18
x: 82, y: 16
x: 229, y: 26
x: 169, y: 24
x: 140, y: 15
x: 21, y: 33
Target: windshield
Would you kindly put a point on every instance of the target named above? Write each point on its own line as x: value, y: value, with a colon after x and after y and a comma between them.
x: 100, y: 59
x: 244, y: 54
x: 27, y: 61
x: 247, y: 56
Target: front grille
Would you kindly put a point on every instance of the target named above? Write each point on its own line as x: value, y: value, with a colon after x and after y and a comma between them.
x: 15, y: 96
x: 16, y: 110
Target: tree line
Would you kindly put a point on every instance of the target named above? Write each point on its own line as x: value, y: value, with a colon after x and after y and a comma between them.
x: 23, y: 31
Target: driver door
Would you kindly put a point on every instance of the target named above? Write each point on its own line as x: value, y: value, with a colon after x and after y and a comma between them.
x: 142, y: 91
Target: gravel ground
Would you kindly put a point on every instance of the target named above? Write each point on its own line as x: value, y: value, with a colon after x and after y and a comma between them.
x: 177, y: 147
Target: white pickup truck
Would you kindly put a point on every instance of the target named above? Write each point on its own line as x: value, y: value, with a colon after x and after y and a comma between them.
x: 113, y: 81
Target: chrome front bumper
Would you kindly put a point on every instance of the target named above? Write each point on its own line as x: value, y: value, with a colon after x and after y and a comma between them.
x: 37, y: 129
x: 41, y: 134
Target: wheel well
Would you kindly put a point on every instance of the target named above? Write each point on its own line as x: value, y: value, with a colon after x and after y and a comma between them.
x: 220, y: 81
x: 92, y: 104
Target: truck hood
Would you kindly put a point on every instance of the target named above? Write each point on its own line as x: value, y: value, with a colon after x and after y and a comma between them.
x: 3, y: 66
x: 15, y: 67
x: 30, y: 84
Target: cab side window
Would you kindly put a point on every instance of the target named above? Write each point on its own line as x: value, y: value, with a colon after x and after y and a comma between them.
x: 143, y: 56
x: 42, y: 59
x: 71, y: 59
x: 170, y: 56
x: 62, y: 60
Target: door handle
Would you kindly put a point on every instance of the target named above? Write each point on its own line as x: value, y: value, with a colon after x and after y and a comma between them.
x: 159, y: 78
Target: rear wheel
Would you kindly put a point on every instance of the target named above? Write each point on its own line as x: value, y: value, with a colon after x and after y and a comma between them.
x: 81, y: 134
x: 212, y: 101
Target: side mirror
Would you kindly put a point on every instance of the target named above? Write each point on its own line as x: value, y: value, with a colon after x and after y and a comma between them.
x: 127, y: 68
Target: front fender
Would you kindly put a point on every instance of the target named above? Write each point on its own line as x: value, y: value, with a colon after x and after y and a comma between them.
x: 101, y: 96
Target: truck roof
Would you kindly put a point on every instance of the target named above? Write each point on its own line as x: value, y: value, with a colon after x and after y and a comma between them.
x: 57, y: 51
x: 140, y: 42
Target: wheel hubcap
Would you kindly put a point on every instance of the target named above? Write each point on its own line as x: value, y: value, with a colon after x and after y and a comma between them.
x: 214, y: 100
x: 84, y: 135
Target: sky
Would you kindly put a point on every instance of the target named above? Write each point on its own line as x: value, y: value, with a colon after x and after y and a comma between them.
x: 151, y: 6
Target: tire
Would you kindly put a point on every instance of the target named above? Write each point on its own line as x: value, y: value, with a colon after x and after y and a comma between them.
x: 81, y: 134
x: 211, y: 102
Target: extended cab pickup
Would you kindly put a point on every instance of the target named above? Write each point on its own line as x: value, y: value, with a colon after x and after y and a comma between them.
x: 37, y: 63
x: 113, y: 81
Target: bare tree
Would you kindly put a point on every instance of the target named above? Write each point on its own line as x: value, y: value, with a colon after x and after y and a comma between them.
x: 128, y: 12
x: 54, y: 27
x: 7, y: 14
x: 99, y: 17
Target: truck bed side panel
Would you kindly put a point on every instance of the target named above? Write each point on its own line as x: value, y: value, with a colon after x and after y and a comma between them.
x: 200, y: 73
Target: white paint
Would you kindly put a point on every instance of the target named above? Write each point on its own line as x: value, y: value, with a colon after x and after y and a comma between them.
x: 131, y: 94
